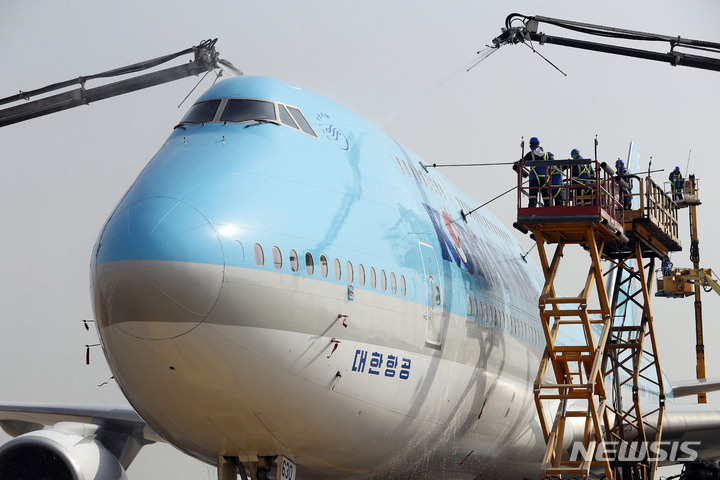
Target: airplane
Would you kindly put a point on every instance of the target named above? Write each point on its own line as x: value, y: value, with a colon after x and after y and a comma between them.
x: 285, y: 284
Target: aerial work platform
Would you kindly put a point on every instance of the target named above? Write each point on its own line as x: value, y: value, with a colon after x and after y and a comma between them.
x: 597, y: 204
x: 593, y: 375
x: 651, y: 220
x: 680, y: 282
x: 685, y: 282
x: 688, y: 194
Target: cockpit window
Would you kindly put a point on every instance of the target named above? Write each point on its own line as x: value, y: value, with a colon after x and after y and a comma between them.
x: 286, y: 118
x: 300, y: 119
x: 244, y: 110
x: 202, y: 112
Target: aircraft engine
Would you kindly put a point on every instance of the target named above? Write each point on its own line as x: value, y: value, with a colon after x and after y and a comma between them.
x: 66, y: 451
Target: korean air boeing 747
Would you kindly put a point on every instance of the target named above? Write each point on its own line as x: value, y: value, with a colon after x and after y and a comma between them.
x: 286, y: 284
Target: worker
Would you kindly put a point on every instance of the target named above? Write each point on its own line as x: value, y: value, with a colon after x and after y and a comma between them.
x: 666, y: 266
x: 538, y: 174
x: 623, y: 173
x: 581, y: 175
x: 557, y: 192
x: 676, y: 184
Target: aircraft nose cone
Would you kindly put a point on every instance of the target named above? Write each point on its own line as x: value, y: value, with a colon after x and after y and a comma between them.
x: 159, y: 269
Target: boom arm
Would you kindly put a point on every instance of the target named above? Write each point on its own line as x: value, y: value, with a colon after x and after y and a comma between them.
x: 206, y: 59
x: 702, y: 277
x: 529, y: 32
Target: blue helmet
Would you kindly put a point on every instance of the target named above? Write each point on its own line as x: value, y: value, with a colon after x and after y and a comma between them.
x: 534, y: 141
x: 575, y: 153
x: 677, y: 169
x: 619, y: 163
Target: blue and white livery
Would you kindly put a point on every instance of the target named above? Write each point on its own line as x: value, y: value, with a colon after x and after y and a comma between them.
x: 285, y: 281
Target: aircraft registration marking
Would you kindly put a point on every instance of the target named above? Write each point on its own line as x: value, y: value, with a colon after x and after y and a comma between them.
x: 376, y: 364
x: 286, y: 469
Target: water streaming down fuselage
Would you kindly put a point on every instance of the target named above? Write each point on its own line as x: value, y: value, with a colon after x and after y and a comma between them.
x: 266, y: 289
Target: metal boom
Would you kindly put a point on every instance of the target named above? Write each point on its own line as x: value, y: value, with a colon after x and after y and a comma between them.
x: 206, y: 59
x: 529, y: 32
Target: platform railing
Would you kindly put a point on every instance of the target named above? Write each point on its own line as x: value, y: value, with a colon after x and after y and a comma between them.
x: 688, y: 194
x: 657, y: 205
x: 568, y: 196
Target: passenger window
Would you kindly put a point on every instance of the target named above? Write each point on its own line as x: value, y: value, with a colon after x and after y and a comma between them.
x: 202, y: 112
x: 244, y: 110
x: 393, y: 283
x: 403, y: 286
x: 323, y: 266
x: 259, y: 254
x: 383, y: 280
x: 309, y: 264
x: 349, y: 271
x: 373, y: 280
x: 286, y: 118
x: 361, y: 274
x: 302, y: 121
x: 476, y: 309
x: 277, y: 257
x: 470, y: 307
x: 337, y: 270
x: 294, y: 262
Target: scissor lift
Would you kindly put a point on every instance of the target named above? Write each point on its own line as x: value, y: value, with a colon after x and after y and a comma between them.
x: 594, y: 380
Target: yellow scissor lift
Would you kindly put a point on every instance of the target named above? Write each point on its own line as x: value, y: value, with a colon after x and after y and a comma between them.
x: 581, y: 382
x: 684, y: 282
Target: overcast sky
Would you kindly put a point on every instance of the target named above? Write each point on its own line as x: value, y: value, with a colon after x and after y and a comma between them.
x: 400, y: 64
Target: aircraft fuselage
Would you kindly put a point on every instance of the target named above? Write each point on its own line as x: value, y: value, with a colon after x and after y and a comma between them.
x: 269, y: 287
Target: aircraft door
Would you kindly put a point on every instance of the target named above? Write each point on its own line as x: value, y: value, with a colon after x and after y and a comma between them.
x: 433, y: 292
